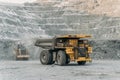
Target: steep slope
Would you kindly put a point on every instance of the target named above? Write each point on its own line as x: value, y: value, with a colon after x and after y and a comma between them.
x: 99, y: 7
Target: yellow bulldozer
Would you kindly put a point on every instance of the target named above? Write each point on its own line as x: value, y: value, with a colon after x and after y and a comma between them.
x: 21, y: 52
x: 65, y: 48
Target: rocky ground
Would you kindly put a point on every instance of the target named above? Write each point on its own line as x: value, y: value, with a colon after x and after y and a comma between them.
x: 33, y: 70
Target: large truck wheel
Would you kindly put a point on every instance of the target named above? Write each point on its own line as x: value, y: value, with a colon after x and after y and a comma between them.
x: 61, y: 57
x: 81, y: 62
x: 46, y: 57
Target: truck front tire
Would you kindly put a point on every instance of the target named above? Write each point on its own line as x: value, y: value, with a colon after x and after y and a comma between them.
x: 61, y: 58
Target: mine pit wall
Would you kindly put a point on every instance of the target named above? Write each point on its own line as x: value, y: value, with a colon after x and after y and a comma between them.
x: 106, y: 49
x: 47, y: 20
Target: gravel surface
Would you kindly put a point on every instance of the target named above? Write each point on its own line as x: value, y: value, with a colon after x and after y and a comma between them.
x: 34, y: 70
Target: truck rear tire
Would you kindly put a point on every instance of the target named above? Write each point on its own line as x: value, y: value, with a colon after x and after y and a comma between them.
x: 81, y: 62
x: 46, y: 57
x: 61, y: 58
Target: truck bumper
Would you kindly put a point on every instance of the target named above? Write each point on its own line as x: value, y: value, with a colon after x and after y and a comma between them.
x: 84, y: 59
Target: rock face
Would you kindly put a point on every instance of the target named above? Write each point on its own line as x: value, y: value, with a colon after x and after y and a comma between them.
x: 44, y: 19
x: 106, y: 49
x: 100, y: 7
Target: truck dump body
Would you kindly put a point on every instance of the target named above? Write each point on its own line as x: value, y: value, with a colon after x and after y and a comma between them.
x: 44, y: 43
x: 48, y: 43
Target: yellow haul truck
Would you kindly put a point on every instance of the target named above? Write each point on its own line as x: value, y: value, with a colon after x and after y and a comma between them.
x: 65, y: 48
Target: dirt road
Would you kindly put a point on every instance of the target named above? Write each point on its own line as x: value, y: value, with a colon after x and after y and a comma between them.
x: 33, y: 70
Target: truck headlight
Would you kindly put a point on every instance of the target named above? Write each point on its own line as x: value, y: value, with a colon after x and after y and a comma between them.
x: 89, y: 49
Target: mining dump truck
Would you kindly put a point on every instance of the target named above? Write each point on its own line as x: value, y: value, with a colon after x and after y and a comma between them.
x: 21, y: 52
x: 65, y: 48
